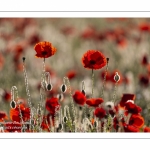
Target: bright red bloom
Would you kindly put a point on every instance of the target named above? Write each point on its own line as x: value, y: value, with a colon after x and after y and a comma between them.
x: 52, y: 104
x: 3, y: 116
x: 137, y: 121
x: 7, y: 96
x: 146, y: 129
x: 44, y: 49
x: 132, y: 108
x: 130, y: 128
x: 71, y: 74
x: 93, y: 59
x: 14, y: 113
x: 100, y: 112
x: 125, y: 98
x: 79, y: 98
x: 94, y: 102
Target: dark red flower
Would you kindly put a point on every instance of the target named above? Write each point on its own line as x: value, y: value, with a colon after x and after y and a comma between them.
x: 144, y: 26
x: 13, y: 127
x: 52, y: 104
x: 136, y: 120
x: 93, y: 59
x: 15, y: 114
x: 100, y: 112
x: 89, y: 33
x: 79, y: 98
x: 144, y: 60
x: 144, y: 80
x: 130, y: 128
x: 146, y: 129
x: 71, y: 74
x: 3, y: 116
x: 125, y: 98
x: 44, y: 49
x: 132, y: 108
x: 7, y: 96
x: 94, y: 102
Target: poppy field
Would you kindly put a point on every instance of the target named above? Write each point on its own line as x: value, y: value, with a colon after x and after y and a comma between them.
x: 74, y: 75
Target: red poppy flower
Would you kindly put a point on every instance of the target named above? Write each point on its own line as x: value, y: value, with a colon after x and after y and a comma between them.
x: 44, y: 49
x: 68, y: 30
x: 130, y: 128
x: 1, y: 61
x: 52, y: 104
x: 3, y: 116
x: 7, y: 96
x: 137, y: 121
x: 146, y: 129
x: 94, y: 102
x: 89, y: 33
x: 71, y: 74
x: 13, y: 127
x: 100, y: 112
x: 45, y: 125
x: 144, y: 80
x: 93, y: 59
x: 14, y: 113
x: 125, y: 98
x: 144, y: 60
x: 132, y: 108
x: 79, y: 98
x: 144, y: 26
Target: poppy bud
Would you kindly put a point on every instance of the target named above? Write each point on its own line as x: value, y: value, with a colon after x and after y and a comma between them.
x: 49, y: 87
x: 90, y: 126
x: 23, y: 58
x: 65, y: 119
x: 13, y: 104
x: 95, y: 124
x: 80, y: 108
x: 83, y: 91
x: 60, y: 126
x: 116, y: 77
x: 63, y: 88
x: 60, y: 97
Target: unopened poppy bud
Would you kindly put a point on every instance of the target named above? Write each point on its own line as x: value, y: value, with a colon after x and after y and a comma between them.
x: 63, y: 88
x: 60, y: 97
x: 60, y: 126
x: 117, y: 77
x: 13, y: 104
x: 95, y: 124
x: 49, y: 87
x: 90, y: 126
x: 23, y: 58
x: 65, y: 119
x: 83, y: 91
x: 107, y: 60
x: 80, y: 108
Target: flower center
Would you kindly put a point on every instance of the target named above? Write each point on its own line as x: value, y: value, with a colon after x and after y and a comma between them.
x: 44, y: 53
x: 92, y: 62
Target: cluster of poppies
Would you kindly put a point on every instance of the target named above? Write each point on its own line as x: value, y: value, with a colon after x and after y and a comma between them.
x: 83, y: 113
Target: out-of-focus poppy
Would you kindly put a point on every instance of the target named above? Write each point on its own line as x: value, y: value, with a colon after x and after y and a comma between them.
x: 93, y: 59
x: 3, y: 116
x: 146, y: 129
x: 52, y: 104
x: 79, y: 98
x: 144, y: 60
x: 144, y: 80
x: 100, y: 112
x: 144, y: 27
x: 1, y: 61
x: 15, y: 113
x: 125, y: 98
x: 44, y: 49
x: 71, y: 74
x: 6, y: 96
x: 33, y: 39
x: 68, y: 30
x: 94, y: 102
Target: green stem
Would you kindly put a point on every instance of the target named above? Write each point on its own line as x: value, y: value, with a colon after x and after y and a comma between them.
x: 92, y: 83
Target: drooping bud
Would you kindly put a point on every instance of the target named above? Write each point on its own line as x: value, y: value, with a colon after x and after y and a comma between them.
x: 60, y: 126
x: 63, y: 88
x: 116, y: 77
x: 95, y: 124
x: 13, y: 104
x: 49, y: 87
x: 65, y: 119
x: 23, y: 58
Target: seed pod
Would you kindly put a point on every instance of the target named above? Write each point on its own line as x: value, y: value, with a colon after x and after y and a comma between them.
x: 63, y: 88
x: 65, y: 119
x: 95, y: 124
x: 13, y: 104
x: 117, y: 77
x: 49, y: 87
x: 60, y: 126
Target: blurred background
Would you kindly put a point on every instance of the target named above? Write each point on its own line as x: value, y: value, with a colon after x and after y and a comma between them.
x: 126, y: 41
